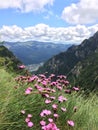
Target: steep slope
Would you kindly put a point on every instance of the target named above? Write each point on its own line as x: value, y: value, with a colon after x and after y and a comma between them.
x: 85, y: 73
x: 8, y: 60
x: 78, y: 62
x: 64, y: 62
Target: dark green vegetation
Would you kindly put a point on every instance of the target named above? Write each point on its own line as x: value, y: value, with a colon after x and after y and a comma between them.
x: 85, y: 73
x: 7, y: 60
x: 79, y: 63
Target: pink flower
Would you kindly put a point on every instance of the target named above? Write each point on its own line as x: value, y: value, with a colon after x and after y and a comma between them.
x: 61, y: 99
x: 66, y: 82
x: 53, y: 83
x: 52, y: 97
x: 30, y: 124
x: 44, y: 83
x: 42, y: 123
x: 70, y: 123
x: 39, y: 88
x: 21, y: 66
x: 29, y: 116
x: 27, y: 91
x: 50, y: 126
x: 47, y: 101
x: 59, y: 87
x: 68, y: 91
x: 27, y: 119
x: 47, y: 95
x: 56, y: 115
x: 23, y: 111
x: 63, y: 109
x: 50, y: 120
x: 45, y: 113
x: 52, y: 75
x: 42, y: 76
x: 54, y: 106
x: 30, y: 88
x: 53, y: 90
x: 31, y: 79
x: 76, y: 89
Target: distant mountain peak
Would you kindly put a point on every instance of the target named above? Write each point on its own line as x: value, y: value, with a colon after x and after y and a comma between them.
x: 35, y: 52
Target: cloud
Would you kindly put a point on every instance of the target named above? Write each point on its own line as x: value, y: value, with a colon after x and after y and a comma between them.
x: 26, y: 5
x: 83, y: 12
x: 43, y: 32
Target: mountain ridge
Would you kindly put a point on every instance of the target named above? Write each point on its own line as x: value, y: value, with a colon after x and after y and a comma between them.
x: 34, y: 52
x: 67, y: 62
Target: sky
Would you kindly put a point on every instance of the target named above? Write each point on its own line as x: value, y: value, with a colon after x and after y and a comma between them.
x: 59, y: 21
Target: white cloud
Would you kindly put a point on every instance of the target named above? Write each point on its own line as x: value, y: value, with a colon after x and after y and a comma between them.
x: 26, y: 5
x: 42, y: 32
x: 83, y: 12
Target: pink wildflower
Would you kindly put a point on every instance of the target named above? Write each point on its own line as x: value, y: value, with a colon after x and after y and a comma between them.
x: 59, y: 87
x: 53, y: 83
x: 47, y: 101
x: 53, y: 90
x: 21, y: 66
x: 68, y: 91
x: 70, y: 123
x: 61, y: 99
x: 56, y: 115
x: 52, y: 97
x: 45, y: 112
x: 27, y: 119
x: 66, y: 82
x: 52, y: 75
x: 54, y: 106
x: 42, y: 123
x: 31, y: 79
x: 50, y: 120
x: 30, y: 88
x: 44, y: 83
x: 76, y: 89
x: 50, y: 126
x: 63, y: 109
x: 45, y: 95
x: 23, y: 111
x: 27, y: 91
x: 39, y: 88
x: 30, y: 124
x: 29, y: 116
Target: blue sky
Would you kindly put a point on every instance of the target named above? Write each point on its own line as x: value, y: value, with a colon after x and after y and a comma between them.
x: 63, y: 21
x: 50, y: 16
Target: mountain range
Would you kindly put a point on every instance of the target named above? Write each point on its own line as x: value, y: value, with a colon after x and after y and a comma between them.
x: 34, y: 52
x: 79, y: 63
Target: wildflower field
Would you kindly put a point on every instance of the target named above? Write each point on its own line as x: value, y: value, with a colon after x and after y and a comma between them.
x: 37, y: 102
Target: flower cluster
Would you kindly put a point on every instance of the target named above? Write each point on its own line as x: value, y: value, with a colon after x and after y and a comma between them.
x: 54, y: 96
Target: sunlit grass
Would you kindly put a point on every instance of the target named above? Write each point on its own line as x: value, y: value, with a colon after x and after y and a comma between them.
x: 13, y: 99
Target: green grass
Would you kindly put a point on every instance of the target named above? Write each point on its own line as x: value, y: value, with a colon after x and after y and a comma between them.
x: 13, y: 100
